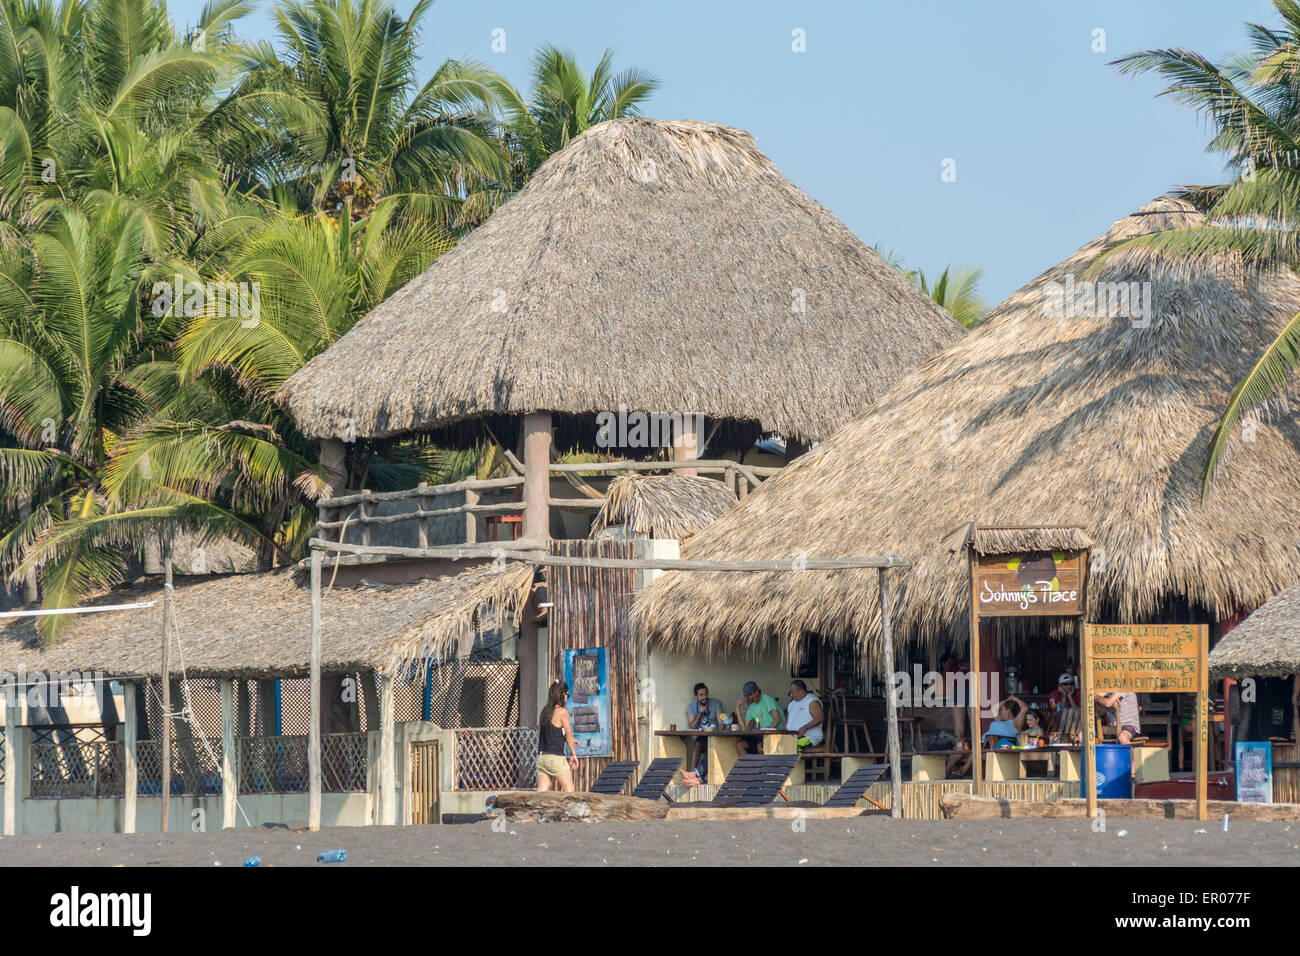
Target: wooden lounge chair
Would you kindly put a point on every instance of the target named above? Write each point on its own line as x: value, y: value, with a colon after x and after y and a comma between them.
x: 657, y: 777
x: 614, y: 776
x: 855, y: 788
x: 755, y: 780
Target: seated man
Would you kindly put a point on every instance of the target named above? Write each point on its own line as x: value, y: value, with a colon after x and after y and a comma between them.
x: 805, y: 715
x: 701, y: 714
x: 761, y: 712
x: 1066, y: 695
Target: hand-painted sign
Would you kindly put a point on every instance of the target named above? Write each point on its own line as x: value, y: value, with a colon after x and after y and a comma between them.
x: 1254, y: 763
x: 588, y: 706
x: 1029, y: 584
x: 1144, y: 658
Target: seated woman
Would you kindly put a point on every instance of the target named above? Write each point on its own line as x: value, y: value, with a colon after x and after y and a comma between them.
x: 1002, y: 732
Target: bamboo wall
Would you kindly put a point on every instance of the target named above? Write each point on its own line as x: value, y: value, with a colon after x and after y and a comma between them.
x: 590, y: 609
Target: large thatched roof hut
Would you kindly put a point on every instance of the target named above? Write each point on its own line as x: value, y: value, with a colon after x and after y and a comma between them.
x: 1266, y: 644
x: 1043, y: 415
x: 663, y: 266
x: 257, y: 626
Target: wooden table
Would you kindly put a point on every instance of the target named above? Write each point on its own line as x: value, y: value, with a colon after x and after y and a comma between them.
x: 1150, y: 764
x: 722, y: 748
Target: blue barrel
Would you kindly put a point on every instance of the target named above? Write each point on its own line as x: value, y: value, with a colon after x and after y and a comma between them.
x: 1114, y: 772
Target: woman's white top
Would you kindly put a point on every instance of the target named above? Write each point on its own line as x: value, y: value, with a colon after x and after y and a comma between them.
x: 800, y: 713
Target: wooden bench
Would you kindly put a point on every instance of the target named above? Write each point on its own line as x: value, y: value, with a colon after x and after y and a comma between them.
x: 614, y: 777
x: 755, y: 780
x: 855, y: 787
x: 654, y: 782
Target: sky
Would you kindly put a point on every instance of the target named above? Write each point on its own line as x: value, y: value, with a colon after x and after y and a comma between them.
x: 1049, y: 145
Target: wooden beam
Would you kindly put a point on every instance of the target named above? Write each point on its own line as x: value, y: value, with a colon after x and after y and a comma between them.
x: 387, y: 770
x: 1202, y: 718
x: 977, y: 769
x: 166, y: 684
x: 537, y: 477
x: 366, y: 518
x: 229, y: 786
x: 1089, y: 725
x: 471, y: 515
x: 313, y: 682
x: 131, y: 767
x: 426, y: 491
x: 887, y: 641
x: 661, y: 564
x: 13, y: 709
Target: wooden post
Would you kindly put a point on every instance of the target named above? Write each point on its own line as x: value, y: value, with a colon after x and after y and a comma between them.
x: 131, y: 768
x: 387, y: 772
x: 729, y: 479
x: 13, y: 716
x: 1089, y: 724
x: 1202, y: 719
x: 367, y: 511
x: 537, y: 527
x: 422, y: 526
x: 471, y: 519
x: 887, y: 642
x: 313, y: 683
x: 686, y: 443
x: 166, y: 684
x: 977, y: 765
x: 229, y: 791
x: 334, y: 462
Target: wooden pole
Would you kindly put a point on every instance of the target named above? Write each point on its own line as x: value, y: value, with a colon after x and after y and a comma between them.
x: 1202, y: 719
x: 313, y: 727
x: 537, y: 527
x: 166, y: 683
x: 387, y: 771
x: 471, y: 519
x: 1089, y: 723
x: 887, y: 642
x: 977, y: 768
x: 131, y: 768
x: 686, y: 442
x: 13, y: 715
x: 228, y: 784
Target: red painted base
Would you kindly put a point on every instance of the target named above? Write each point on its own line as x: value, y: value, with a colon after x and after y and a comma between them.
x: 1219, y: 786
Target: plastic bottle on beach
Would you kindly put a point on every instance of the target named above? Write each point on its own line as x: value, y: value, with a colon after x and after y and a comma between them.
x: 253, y: 861
x: 332, y: 856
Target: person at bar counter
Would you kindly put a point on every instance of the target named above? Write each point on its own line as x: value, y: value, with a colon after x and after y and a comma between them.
x: 761, y: 712
x: 1066, y: 695
x: 1127, y: 720
x: 701, y: 714
x: 805, y: 716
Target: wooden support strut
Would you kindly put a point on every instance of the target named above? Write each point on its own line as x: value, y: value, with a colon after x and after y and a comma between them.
x: 313, y: 728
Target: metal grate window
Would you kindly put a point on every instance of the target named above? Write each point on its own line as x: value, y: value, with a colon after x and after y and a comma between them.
x: 279, y: 764
x: 195, y: 770
x: 75, y: 762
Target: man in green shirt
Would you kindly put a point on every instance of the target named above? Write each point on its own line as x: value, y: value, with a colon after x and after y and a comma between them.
x: 761, y: 712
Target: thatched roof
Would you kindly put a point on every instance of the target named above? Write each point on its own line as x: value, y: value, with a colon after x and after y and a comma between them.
x: 663, y: 506
x: 1018, y: 540
x: 1032, y: 419
x: 259, y: 625
x: 1266, y: 644
x: 662, y: 266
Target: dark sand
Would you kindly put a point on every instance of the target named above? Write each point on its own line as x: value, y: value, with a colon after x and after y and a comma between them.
x: 859, y: 842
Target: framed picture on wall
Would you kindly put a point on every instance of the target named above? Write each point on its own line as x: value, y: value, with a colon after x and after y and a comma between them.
x: 588, y: 704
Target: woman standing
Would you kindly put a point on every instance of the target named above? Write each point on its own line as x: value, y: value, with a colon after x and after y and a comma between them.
x: 555, y: 728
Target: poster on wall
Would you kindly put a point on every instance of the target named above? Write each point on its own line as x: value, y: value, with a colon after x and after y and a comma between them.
x: 1254, y: 760
x: 585, y: 673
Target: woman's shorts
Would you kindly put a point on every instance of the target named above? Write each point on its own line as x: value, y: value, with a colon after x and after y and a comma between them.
x: 553, y: 765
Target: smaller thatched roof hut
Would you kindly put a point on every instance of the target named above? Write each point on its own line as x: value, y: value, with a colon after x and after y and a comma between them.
x: 1266, y: 644
x: 258, y: 626
x: 663, y: 506
x: 665, y: 266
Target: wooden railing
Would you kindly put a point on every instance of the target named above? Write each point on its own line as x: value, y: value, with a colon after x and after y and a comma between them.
x: 358, y: 509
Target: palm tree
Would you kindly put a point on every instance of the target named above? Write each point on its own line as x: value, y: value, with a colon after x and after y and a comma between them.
x: 1252, y: 100
x: 958, y: 293
x: 562, y: 103
x: 351, y: 65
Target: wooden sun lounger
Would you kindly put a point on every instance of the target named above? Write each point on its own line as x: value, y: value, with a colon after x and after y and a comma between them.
x: 614, y: 776
x: 755, y: 780
x: 657, y: 777
x: 855, y: 788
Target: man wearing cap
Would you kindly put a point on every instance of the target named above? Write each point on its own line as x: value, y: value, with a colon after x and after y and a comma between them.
x: 761, y: 712
x: 1066, y: 695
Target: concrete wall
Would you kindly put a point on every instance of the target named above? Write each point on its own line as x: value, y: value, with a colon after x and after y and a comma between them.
x: 104, y: 815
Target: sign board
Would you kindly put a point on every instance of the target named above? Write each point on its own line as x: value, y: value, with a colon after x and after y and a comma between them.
x: 1030, y: 584
x: 588, y: 703
x: 1144, y: 658
x: 1254, y: 762
x: 1147, y: 658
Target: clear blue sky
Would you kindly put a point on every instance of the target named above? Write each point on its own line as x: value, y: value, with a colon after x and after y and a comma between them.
x: 1051, y: 144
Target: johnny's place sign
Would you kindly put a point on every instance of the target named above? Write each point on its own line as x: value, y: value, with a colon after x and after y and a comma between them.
x: 1029, y: 584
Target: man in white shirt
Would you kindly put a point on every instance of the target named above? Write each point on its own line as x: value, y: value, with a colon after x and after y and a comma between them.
x: 805, y: 715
